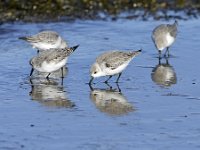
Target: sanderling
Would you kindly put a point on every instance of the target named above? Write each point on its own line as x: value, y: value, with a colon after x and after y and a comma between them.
x: 51, y: 60
x: 111, y: 63
x: 45, y: 40
x: 164, y: 36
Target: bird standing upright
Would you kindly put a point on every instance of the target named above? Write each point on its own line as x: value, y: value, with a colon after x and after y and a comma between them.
x: 164, y: 36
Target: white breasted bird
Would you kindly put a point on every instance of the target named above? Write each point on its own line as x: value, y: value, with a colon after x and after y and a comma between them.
x: 45, y: 40
x: 164, y: 36
x: 111, y: 63
x: 51, y: 60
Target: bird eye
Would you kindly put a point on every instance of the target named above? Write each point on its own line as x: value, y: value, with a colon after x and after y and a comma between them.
x: 95, y: 72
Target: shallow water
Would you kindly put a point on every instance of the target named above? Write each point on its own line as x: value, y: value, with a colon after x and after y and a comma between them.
x: 153, y: 111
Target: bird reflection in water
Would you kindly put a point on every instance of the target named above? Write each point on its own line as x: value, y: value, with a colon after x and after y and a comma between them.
x: 54, y: 75
x: 164, y: 74
x: 49, y: 92
x: 110, y: 101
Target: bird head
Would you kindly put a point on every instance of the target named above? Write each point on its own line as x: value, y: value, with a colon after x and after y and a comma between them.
x: 95, y: 71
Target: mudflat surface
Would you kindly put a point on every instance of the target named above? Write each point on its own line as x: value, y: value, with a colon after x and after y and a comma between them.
x: 158, y: 107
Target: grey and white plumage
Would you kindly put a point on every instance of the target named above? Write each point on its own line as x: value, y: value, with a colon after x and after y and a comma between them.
x: 46, y: 40
x: 51, y: 60
x: 111, y: 63
x: 164, y: 36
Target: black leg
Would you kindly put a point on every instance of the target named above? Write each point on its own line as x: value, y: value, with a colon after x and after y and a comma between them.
x: 91, y: 88
x: 48, y: 76
x: 108, y: 85
x: 92, y: 78
x: 31, y: 72
x: 118, y: 87
x: 118, y: 77
x: 167, y: 62
x: 159, y: 53
x: 62, y: 69
x: 167, y: 52
x: 62, y: 81
x: 30, y: 93
x: 108, y: 79
x: 159, y: 61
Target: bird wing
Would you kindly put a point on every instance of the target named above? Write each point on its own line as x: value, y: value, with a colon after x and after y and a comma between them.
x: 115, y: 59
x: 49, y: 37
x: 159, y: 31
x: 56, y: 55
x: 52, y: 55
x: 172, y: 29
x: 158, y: 35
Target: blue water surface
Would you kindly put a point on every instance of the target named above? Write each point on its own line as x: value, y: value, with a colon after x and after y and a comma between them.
x: 151, y: 112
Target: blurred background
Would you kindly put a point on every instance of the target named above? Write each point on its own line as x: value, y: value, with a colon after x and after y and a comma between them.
x: 60, y: 10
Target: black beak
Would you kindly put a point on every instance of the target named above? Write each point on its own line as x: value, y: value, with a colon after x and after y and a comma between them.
x: 92, y: 78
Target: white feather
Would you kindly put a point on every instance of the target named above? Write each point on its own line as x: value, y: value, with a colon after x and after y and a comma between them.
x: 170, y: 39
x: 52, y: 66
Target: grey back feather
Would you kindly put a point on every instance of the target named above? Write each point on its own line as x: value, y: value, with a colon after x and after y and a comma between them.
x: 114, y: 59
x: 172, y: 29
x: 55, y: 55
x: 164, y: 29
x: 49, y: 37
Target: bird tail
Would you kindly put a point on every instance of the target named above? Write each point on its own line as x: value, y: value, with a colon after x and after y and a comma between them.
x: 71, y: 49
x: 135, y: 53
x: 28, y: 39
x: 23, y: 38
